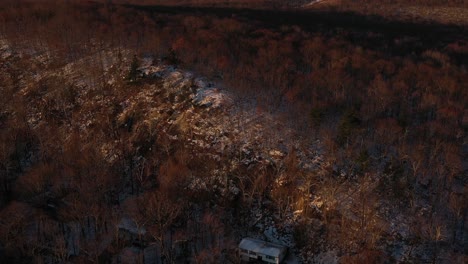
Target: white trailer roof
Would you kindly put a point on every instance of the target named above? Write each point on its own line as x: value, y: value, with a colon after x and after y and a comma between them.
x: 262, y: 247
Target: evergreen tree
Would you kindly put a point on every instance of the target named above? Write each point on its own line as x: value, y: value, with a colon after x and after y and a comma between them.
x: 133, y: 73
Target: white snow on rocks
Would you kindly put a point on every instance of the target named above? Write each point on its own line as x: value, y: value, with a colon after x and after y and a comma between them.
x: 205, y: 119
x: 5, y: 51
x: 212, y: 97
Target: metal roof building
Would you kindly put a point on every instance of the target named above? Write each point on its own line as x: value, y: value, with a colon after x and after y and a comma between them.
x: 256, y: 249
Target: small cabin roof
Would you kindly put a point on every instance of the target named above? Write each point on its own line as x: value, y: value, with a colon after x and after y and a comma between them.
x: 262, y: 247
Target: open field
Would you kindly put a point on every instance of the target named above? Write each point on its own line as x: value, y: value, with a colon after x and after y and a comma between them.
x: 422, y: 11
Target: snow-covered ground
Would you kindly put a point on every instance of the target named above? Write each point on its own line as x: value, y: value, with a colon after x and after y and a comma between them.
x: 213, y: 125
x: 5, y: 51
x: 313, y: 3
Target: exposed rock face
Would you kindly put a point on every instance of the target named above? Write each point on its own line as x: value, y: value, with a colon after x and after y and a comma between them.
x: 246, y: 154
x: 165, y: 104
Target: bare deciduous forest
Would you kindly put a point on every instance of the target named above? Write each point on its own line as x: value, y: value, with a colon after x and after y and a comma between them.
x: 165, y: 134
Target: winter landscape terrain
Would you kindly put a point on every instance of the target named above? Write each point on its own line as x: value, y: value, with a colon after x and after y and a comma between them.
x: 167, y: 131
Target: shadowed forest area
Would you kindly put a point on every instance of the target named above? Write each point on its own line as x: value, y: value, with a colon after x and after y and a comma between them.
x: 99, y: 159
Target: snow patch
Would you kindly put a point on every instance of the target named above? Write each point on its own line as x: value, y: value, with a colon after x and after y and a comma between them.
x: 329, y: 257
x: 5, y: 51
x: 212, y: 97
x: 311, y: 3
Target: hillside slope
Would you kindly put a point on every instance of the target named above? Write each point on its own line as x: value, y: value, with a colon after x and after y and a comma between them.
x: 168, y: 134
x: 172, y: 130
